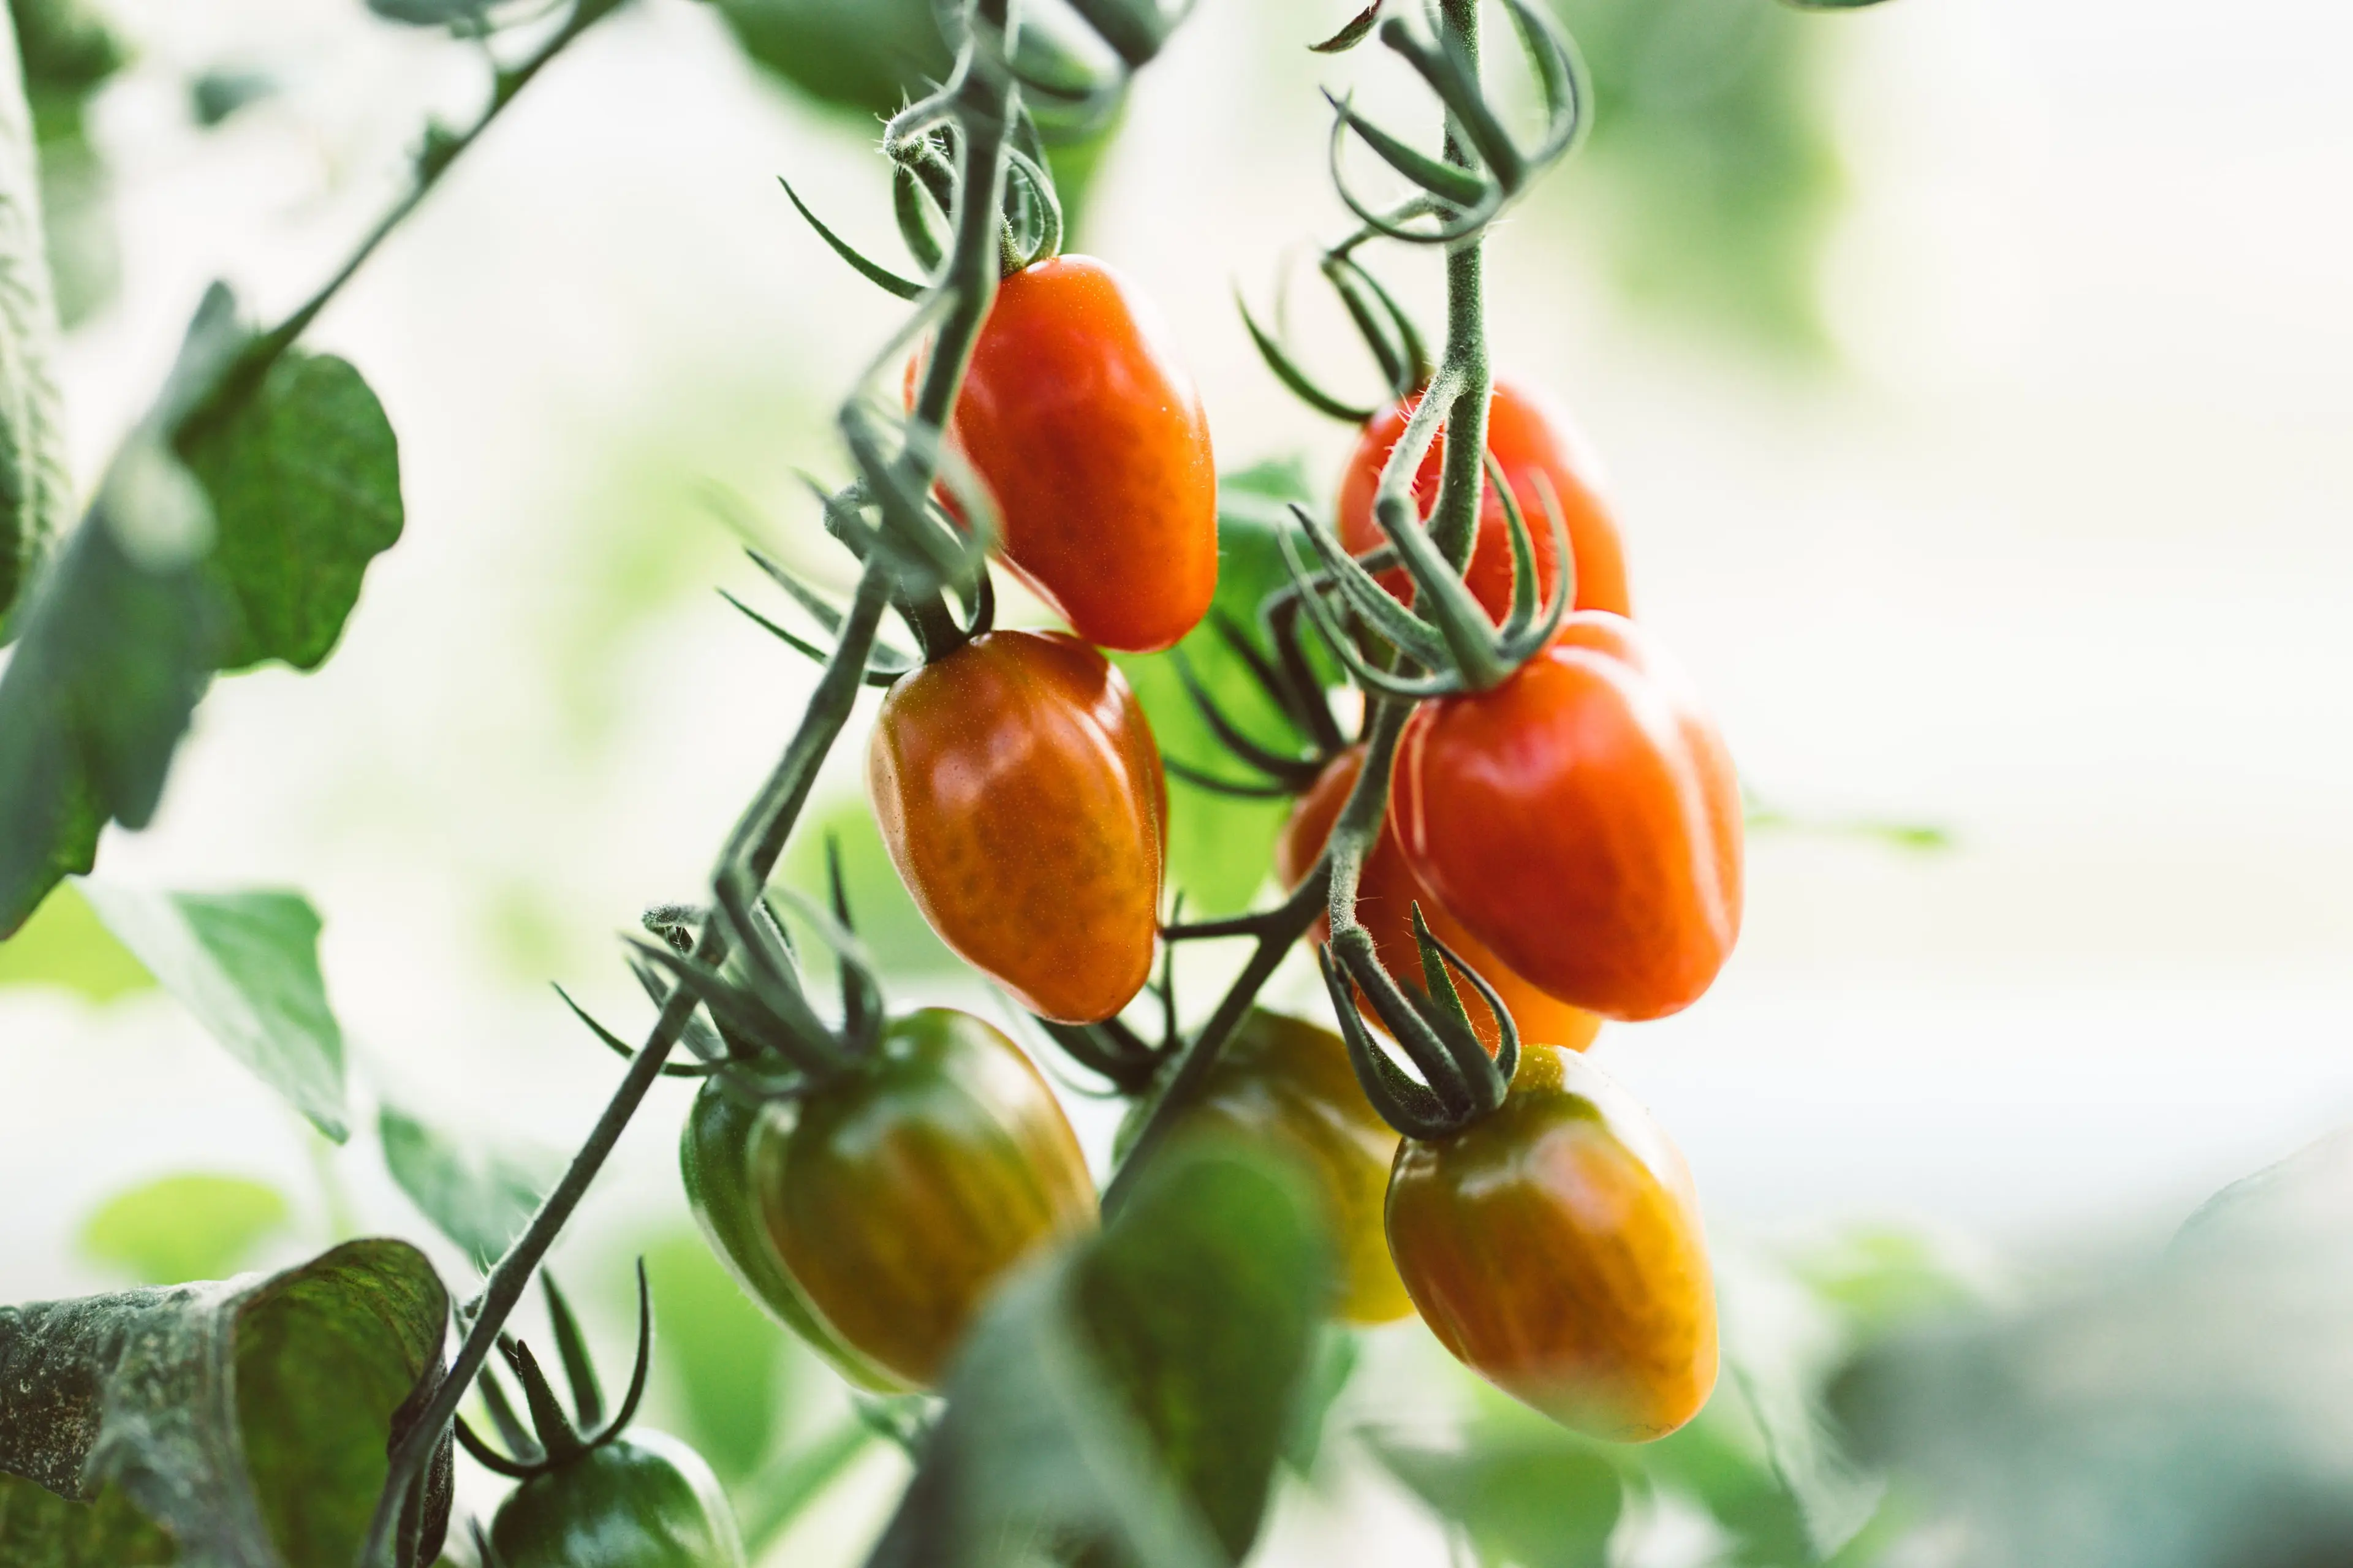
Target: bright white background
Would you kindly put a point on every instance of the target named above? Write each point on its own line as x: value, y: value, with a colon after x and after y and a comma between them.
x: 2055, y: 557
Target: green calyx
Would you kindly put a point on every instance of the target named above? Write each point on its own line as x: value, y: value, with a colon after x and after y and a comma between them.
x: 1460, y: 1084
x: 646, y: 1501
x: 555, y: 1439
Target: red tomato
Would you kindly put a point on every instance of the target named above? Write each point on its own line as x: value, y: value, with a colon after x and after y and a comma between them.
x: 1527, y: 441
x: 1386, y: 889
x: 1019, y: 793
x: 1555, y: 1247
x: 1090, y: 435
x: 1581, y: 820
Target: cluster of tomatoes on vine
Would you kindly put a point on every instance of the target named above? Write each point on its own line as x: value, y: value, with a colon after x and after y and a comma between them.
x: 1566, y: 839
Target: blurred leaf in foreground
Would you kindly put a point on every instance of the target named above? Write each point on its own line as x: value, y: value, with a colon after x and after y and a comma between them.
x: 247, y: 965
x: 1537, y: 1499
x: 727, y: 1368
x: 2195, y: 1409
x: 479, y: 1197
x: 64, y: 944
x: 251, y: 1421
x: 178, y: 1228
x: 69, y: 52
x: 35, y: 483
x: 1134, y: 1391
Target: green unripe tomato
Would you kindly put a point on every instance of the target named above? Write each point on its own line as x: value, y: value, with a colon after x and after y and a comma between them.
x: 643, y: 1500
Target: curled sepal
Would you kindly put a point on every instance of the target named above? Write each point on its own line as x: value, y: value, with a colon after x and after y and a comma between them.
x: 1030, y: 176
x: 1436, y: 959
x: 874, y: 272
x: 773, y: 1022
x: 1524, y: 633
x: 1403, y: 1104
x: 913, y: 206
x: 1287, y: 371
x: 1393, y: 336
x: 1450, y: 183
x: 1235, y: 789
x: 862, y: 1009
x: 1343, y: 646
x: 558, y: 1438
x: 925, y: 555
x: 1422, y: 1038
x: 1294, y: 772
x: 1359, y: 28
x: 1110, y: 1049
x: 1412, y: 636
x: 622, y: 1048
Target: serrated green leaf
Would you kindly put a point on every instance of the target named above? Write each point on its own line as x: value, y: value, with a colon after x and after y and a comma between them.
x: 304, y: 480
x: 250, y: 1419
x: 247, y: 965
x: 481, y: 1198
x: 1135, y: 1391
x: 65, y: 945
x: 178, y: 1228
x: 35, y: 483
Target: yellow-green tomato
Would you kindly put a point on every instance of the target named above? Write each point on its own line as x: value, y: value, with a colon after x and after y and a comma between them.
x: 1555, y: 1247
x: 898, y: 1198
x: 1286, y: 1085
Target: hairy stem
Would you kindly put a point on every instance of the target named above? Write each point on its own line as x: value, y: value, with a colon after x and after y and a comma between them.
x: 1453, y: 522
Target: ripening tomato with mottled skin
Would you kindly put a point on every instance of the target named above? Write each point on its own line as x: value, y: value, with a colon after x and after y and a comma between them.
x: 1582, y: 819
x: 1526, y: 439
x: 1386, y: 891
x: 1555, y: 1247
x: 1286, y: 1084
x: 896, y: 1199
x: 1082, y: 423
x: 1019, y: 793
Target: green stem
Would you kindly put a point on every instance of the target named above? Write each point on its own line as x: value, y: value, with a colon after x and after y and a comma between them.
x: 1453, y: 522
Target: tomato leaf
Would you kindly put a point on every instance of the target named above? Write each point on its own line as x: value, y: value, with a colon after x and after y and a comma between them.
x: 1537, y: 1499
x: 250, y: 1420
x: 1136, y: 1389
x: 38, y: 1529
x: 304, y: 478
x: 65, y: 945
x: 247, y: 965
x: 35, y: 483
x: 480, y: 1199
x: 1221, y: 847
x: 194, y: 1227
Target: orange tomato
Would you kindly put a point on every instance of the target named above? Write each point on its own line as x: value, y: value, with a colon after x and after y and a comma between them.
x: 1556, y: 1249
x: 1089, y: 433
x: 1386, y: 891
x: 1582, y: 820
x: 1019, y: 793
x: 1527, y: 441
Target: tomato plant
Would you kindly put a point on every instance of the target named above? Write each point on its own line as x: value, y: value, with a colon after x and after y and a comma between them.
x: 1583, y: 821
x: 1086, y: 430
x: 1555, y: 1247
x: 1020, y: 796
x: 641, y: 1501
x: 1542, y: 456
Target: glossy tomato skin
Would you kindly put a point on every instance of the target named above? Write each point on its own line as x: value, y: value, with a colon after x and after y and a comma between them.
x: 1088, y: 431
x: 715, y: 1166
x: 643, y: 1500
x: 1386, y: 891
x: 897, y: 1199
x: 1286, y: 1084
x: 1527, y: 439
x: 1556, y: 1249
x: 1019, y: 793
x: 1582, y: 820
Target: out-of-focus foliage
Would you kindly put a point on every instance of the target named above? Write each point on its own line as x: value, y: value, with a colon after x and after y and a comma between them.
x: 196, y: 1227
x: 869, y: 57
x: 69, y: 52
x: 251, y: 1423
x: 66, y: 945
x: 2196, y: 1409
x: 479, y: 1197
x: 246, y: 967
x: 1135, y: 1391
x: 729, y: 1374
x: 36, y: 488
x: 1712, y: 150
x: 895, y: 934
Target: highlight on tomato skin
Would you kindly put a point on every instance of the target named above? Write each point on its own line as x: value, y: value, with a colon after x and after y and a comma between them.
x: 1386, y: 892
x: 898, y: 1199
x: 1583, y: 820
x: 1080, y: 418
x: 1286, y: 1084
x: 1527, y: 439
x: 1556, y: 1249
x: 643, y: 1500
x: 1019, y: 790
